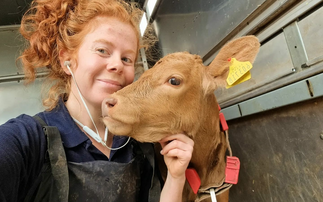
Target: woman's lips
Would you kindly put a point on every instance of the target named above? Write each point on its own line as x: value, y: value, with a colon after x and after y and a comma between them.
x: 111, y: 83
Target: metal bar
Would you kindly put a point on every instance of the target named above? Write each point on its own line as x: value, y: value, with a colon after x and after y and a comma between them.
x: 232, y: 112
x: 293, y: 93
x: 144, y: 59
x: 315, y: 69
x: 295, y: 45
x: 9, y: 27
x: 305, y: 89
x: 19, y: 77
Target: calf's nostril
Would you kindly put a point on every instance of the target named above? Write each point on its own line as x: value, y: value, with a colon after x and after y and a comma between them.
x: 110, y: 102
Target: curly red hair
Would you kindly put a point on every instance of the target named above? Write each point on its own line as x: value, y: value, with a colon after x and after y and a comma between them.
x: 54, y: 25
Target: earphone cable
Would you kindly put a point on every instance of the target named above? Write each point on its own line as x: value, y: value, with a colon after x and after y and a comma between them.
x: 96, y: 135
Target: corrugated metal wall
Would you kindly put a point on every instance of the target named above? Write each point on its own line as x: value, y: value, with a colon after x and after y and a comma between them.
x: 275, y: 119
x: 280, y: 149
x: 15, y: 97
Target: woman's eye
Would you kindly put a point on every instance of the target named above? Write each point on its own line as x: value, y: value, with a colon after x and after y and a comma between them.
x: 127, y: 60
x: 101, y: 50
x: 174, y: 81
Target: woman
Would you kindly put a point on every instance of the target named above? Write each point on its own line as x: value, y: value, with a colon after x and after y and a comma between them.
x: 90, y: 48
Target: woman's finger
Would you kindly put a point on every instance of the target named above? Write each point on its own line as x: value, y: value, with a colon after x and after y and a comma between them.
x: 180, y: 154
x: 176, y: 144
x: 181, y: 137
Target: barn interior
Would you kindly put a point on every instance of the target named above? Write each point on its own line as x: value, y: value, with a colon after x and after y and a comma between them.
x: 275, y: 118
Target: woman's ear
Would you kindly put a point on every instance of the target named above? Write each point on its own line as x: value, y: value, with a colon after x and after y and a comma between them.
x: 63, y: 57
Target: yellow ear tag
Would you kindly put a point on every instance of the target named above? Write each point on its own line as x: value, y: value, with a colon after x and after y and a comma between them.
x: 238, y: 72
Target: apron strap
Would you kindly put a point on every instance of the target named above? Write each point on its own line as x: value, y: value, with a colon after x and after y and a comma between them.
x: 154, y: 191
x: 57, y: 159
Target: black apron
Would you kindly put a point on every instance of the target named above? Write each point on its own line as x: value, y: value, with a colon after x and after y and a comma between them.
x: 62, y: 181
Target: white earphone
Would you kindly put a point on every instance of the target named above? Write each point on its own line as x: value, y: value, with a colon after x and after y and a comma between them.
x: 68, y: 64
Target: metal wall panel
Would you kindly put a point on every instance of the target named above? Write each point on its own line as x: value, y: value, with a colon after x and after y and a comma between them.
x: 197, y: 26
x: 288, y: 95
x: 231, y: 112
x: 311, y: 29
x: 297, y: 92
x: 316, y: 84
x: 10, y: 44
x: 16, y: 99
x: 280, y: 153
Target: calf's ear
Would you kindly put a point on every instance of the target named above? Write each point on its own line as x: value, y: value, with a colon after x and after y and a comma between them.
x: 242, y: 49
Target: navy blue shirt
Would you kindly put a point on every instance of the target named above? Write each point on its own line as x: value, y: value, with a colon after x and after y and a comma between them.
x: 23, y: 148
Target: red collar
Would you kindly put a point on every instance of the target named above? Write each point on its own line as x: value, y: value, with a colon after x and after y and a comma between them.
x: 232, y: 164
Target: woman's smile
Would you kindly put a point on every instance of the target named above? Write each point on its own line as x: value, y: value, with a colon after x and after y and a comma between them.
x: 111, y: 84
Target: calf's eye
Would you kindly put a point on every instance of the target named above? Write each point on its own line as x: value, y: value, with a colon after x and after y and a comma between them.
x: 174, y: 81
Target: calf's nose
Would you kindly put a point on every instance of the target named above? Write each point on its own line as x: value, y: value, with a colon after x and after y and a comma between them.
x: 109, y: 102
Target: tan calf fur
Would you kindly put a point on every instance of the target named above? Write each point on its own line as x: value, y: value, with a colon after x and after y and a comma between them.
x: 177, y: 96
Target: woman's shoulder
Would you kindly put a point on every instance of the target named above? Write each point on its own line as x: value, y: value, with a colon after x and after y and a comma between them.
x: 22, y: 124
x: 21, y: 134
x: 22, y: 152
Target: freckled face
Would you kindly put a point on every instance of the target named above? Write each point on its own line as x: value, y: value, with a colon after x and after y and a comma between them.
x: 106, y: 60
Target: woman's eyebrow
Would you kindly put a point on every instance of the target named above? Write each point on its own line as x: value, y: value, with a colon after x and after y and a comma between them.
x: 104, y: 42
x: 112, y: 45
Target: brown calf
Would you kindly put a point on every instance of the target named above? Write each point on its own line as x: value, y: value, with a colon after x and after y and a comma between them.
x: 177, y: 96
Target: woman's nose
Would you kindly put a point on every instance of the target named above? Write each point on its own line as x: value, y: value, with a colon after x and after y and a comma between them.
x: 115, y: 64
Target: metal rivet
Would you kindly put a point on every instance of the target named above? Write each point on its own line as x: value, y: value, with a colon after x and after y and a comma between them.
x: 321, y: 136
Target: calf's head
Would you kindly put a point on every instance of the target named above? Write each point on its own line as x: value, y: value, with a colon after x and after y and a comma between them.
x: 175, y: 96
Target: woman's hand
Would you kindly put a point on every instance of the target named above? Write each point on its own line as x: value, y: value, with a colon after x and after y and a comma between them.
x: 177, y: 151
